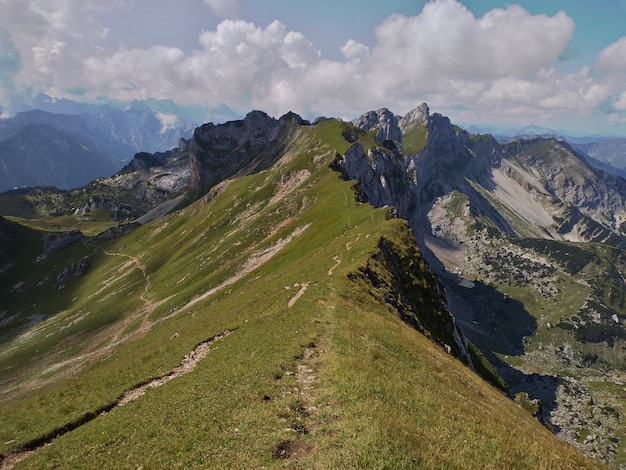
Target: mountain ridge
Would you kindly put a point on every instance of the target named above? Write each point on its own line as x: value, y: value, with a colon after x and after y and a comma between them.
x: 314, y: 283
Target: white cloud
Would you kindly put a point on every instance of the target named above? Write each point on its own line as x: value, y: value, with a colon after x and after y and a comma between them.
x: 447, y: 40
x: 547, y: 90
x: 238, y: 63
x: 52, y: 37
x: 620, y: 103
x: 611, y: 62
x: 168, y: 121
x: 353, y: 50
x: 447, y: 56
x: 224, y: 8
x: 504, y: 61
x: 613, y: 57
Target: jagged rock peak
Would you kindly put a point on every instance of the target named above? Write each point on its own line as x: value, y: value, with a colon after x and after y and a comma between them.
x: 291, y: 116
x: 418, y: 116
x: 384, y: 122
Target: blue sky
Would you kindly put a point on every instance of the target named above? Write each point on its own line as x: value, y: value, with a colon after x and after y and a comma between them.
x: 554, y: 63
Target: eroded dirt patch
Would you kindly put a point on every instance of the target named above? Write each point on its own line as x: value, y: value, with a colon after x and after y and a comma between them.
x: 291, y: 449
x: 288, y: 183
x: 188, y: 364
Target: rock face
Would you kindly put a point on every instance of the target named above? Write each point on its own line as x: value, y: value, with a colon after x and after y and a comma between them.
x: 541, y: 179
x: 384, y: 123
x: 145, y: 160
x: 220, y: 151
x: 417, y: 117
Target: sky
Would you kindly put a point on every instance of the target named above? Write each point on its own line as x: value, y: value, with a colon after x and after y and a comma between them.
x: 554, y: 63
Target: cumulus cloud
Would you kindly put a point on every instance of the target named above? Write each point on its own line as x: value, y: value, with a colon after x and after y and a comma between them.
x: 238, y: 63
x: 447, y: 40
x: 611, y: 63
x: 447, y: 55
x: 613, y: 57
x: 620, y: 103
x: 224, y: 8
x: 504, y: 60
x: 51, y: 37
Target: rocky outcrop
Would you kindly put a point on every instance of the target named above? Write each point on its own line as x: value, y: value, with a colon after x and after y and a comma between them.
x: 418, y: 117
x: 547, y: 188
x: 386, y: 178
x: 145, y: 160
x: 568, y: 177
x: 220, y: 151
x: 147, y: 181
x: 385, y: 125
x: 54, y: 242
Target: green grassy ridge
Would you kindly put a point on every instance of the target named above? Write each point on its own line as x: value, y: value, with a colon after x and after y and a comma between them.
x: 383, y: 395
x: 173, y: 228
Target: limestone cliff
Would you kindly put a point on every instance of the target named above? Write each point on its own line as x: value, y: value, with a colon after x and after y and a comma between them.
x: 220, y: 151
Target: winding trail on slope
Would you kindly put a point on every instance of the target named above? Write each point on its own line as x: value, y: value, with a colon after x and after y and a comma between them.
x: 103, y: 343
x: 187, y: 364
x: 115, y: 335
x: 148, y: 305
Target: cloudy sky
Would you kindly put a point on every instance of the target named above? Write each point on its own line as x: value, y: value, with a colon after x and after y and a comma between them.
x: 554, y: 63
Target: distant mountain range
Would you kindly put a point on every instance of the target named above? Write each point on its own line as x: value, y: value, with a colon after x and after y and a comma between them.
x: 606, y: 152
x: 66, y: 144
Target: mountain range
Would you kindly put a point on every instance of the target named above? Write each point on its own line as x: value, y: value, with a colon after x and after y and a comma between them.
x: 389, y: 292
x: 68, y: 150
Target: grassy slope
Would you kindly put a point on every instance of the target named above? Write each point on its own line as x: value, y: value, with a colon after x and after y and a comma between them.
x: 334, y: 380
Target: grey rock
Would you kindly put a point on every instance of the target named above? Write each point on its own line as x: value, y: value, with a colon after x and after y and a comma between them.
x: 417, y: 117
x: 384, y: 123
x: 63, y: 275
x: 54, y: 242
x: 238, y: 147
x: 82, y: 267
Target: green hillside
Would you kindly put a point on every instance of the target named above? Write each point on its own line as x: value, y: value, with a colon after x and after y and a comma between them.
x: 258, y: 327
